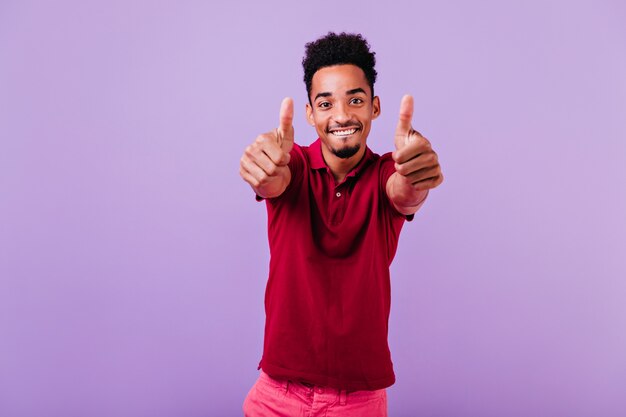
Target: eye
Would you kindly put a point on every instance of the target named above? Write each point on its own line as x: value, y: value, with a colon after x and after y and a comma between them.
x: 356, y: 100
x: 323, y: 104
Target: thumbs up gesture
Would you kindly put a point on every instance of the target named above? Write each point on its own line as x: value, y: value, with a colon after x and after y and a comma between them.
x: 264, y: 162
x: 415, y: 159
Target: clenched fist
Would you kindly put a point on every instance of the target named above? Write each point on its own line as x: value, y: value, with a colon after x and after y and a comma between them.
x: 264, y: 163
x: 415, y: 159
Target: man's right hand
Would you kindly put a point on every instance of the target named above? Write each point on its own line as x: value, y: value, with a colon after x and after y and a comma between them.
x: 264, y: 163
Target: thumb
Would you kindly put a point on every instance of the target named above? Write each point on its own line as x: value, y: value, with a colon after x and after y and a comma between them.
x: 285, y: 127
x: 403, y: 129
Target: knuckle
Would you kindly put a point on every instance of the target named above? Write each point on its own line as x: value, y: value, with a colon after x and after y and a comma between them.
x: 264, y: 138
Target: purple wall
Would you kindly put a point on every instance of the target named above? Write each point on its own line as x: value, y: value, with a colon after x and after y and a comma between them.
x: 133, y: 258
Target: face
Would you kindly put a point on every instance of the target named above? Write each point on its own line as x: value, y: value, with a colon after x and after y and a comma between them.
x: 342, y: 110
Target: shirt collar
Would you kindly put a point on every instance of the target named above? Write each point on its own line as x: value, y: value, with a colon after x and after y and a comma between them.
x: 317, y: 160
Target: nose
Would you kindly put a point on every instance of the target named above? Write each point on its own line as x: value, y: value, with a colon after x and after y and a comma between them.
x: 341, y: 114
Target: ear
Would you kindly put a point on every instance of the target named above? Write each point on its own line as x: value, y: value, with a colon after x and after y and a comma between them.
x: 375, y: 107
x: 309, y: 115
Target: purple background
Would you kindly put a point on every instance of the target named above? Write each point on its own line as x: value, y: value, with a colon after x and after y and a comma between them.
x: 133, y: 258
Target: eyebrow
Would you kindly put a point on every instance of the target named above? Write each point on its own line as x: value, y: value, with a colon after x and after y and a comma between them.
x: 349, y: 92
x: 355, y: 90
x: 322, y: 95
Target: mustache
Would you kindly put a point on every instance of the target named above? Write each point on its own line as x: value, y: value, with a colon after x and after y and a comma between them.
x: 344, y: 126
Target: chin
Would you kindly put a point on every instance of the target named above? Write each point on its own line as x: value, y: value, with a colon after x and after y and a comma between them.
x: 347, y: 151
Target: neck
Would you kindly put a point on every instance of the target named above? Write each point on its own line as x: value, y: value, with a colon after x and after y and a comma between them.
x: 340, y: 167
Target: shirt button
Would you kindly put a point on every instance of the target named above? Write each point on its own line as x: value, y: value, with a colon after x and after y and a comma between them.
x: 319, y: 390
x: 338, y: 194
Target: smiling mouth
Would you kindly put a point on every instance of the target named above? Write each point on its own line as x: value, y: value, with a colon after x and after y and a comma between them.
x: 344, y: 132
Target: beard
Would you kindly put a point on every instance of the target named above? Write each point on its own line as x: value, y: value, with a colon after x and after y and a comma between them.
x: 347, y: 152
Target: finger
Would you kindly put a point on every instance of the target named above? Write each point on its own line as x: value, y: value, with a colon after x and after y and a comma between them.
x: 266, y: 164
x: 285, y: 127
x: 286, y: 115
x: 406, y: 116
x: 247, y: 177
x: 273, y: 151
x: 428, y: 183
x: 421, y: 161
x: 412, y: 149
x: 255, y: 175
x: 423, y: 174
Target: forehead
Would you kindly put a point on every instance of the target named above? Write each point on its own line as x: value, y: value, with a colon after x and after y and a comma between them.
x: 338, y: 79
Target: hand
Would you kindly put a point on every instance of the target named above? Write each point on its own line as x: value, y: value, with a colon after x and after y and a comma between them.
x: 415, y: 159
x: 264, y: 163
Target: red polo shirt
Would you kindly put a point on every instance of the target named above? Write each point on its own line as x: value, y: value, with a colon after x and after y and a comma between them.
x: 328, y: 296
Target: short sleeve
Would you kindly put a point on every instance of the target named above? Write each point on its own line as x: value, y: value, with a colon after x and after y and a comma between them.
x: 387, y: 169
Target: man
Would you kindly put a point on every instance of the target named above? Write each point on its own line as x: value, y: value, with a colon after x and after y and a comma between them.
x: 335, y: 211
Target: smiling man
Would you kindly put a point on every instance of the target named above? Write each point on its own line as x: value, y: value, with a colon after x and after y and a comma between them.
x: 335, y: 211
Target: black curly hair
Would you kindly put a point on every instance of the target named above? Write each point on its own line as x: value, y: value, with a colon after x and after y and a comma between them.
x: 333, y: 49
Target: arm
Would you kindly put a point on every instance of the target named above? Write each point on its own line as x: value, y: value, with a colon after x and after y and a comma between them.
x: 417, y: 165
x: 264, y: 162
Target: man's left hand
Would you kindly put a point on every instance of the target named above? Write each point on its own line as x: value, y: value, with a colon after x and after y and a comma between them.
x: 415, y: 158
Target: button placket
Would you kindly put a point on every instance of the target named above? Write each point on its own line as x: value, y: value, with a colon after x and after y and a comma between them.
x: 337, y: 204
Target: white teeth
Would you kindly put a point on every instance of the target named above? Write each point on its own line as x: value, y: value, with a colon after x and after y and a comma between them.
x: 344, y: 132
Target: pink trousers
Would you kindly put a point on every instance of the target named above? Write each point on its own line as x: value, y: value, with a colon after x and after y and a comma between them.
x: 270, y: 397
